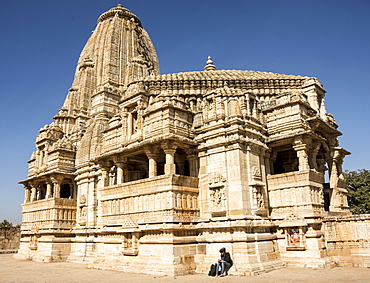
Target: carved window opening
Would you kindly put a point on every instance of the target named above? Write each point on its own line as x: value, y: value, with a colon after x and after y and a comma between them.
x: 160, y: 161
x: 160, y: 168
x: 113, y: 176
x: 65, y: 191
x: 327, y: 196
x: 137, y: 168
x: 41, y: 156
x: 321, y: 160
x: 134, y: 124
x: 133, y: 119
x: 286, y: 161
x: 130, y: 244
x: 41, y: 191
x: 252, y: 106
x: 182, y: 163
x: 295, y: 239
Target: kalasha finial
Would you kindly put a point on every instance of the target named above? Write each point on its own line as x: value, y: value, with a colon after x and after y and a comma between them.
x: 209, y: 66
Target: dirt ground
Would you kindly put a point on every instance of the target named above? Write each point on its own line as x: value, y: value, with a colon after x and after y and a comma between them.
x: 20, y: 271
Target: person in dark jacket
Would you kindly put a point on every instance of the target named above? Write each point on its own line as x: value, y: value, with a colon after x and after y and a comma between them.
x: 225, y: 263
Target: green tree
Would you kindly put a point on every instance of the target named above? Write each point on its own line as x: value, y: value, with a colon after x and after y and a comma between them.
x: 358, y: 186
x: 6, y: 223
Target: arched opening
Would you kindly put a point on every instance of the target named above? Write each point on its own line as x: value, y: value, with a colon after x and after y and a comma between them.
x: 41, y: 191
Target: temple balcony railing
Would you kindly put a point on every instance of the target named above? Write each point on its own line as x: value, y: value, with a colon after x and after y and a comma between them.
x: 280, y: 181
x: 297, y: 188
x: 161, y: 198
x: 53, y: 213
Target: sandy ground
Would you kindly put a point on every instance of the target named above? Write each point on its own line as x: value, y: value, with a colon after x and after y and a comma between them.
x: 12, y: 270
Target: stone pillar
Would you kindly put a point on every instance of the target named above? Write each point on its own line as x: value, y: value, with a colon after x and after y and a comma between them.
x: 152, y: 166
x: 104, y: 177
x: 170, y: 167
x: 27, y: 194
x: 302, y: 158
x: 302, y: 153
x: 338, y: 160
x: 313, y: 156
x: 56, y: 190
x: 120, y: 172
x: 112, y: 176
x: 121, y: 164
x: 152, y: 154
x: 57, y: 181
x: 49, y: 191
x: 33, y: 192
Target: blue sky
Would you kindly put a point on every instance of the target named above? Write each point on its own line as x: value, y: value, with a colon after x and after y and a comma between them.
x: 42, y: 39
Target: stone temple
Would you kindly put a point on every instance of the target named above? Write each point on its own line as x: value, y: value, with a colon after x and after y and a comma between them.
x: 143, y: 172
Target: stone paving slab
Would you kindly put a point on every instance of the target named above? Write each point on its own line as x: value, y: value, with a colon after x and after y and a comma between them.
x: 20, y: 271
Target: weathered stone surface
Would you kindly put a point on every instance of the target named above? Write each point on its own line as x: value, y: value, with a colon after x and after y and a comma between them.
x: 155, y: 173
x: 9, y: 239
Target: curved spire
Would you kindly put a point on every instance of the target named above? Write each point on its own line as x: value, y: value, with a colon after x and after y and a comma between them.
x: 107, y: 60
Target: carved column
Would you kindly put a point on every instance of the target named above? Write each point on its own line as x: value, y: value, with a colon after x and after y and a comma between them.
x: 169, y: 149
x: 152, y: 154
x: 313, y: 156
x: 301, y: 148
x: 33, y: 192
x: 27, y: 194
x: 49, y: 191
x: 112, y: 176
x: 302, y: 158
x: 56, y: 189
x: 104, y: 177
x: 120, y: 172
x: 338, y: 159
x: 57, y: 181
x: 152, y: 165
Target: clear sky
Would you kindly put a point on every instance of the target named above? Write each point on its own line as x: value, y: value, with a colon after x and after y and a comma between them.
x: 40, y: 41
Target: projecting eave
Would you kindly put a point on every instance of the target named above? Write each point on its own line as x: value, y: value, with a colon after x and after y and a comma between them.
x: 45, y: 174
x: 318, y: 123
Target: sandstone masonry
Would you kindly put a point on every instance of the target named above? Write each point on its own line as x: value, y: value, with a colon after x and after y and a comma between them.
x: 155, y: 173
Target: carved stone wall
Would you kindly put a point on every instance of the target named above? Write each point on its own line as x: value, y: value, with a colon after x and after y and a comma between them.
x: 139, y: 164
x: 348, y: 240
x: 9, y: 239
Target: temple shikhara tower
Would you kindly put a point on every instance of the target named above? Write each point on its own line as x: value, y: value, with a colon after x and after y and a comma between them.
x: 143, y: 172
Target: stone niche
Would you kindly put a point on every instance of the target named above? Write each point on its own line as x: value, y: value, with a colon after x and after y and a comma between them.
x: 294, y: 229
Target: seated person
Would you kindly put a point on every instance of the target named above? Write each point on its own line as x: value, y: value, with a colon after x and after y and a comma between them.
x: 225, y: 263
